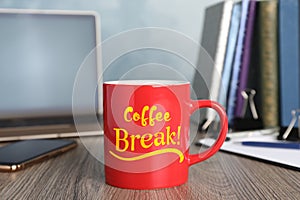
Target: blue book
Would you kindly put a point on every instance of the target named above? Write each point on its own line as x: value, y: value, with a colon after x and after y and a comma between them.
x: 230, y: 50
x: 237, y: 62
x: 289, y: 70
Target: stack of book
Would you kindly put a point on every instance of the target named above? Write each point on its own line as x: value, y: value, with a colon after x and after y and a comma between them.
x: 256, y: 61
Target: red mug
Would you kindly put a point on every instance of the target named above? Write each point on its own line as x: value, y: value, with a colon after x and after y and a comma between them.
x: 146, y: 133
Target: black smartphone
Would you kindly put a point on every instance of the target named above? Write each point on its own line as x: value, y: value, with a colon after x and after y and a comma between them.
x: 18, y: 155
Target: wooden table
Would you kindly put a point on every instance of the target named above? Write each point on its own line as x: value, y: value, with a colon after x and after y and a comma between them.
x: 78, y: 175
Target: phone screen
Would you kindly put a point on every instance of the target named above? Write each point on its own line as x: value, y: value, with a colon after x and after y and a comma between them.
x: 24, y: 152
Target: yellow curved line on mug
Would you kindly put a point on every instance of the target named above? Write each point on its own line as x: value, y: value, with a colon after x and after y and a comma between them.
x: 153, y: 153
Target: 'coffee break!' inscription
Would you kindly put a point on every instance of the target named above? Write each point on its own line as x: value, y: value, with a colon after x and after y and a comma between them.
x: 153, y: 116
x: 149, y: 116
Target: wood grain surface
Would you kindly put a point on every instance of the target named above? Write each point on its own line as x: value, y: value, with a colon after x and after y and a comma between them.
x: 78, y: 175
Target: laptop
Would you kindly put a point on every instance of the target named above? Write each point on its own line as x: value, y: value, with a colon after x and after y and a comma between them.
x: 41, y: 53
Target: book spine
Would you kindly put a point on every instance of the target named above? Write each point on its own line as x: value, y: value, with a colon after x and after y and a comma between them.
x: 268, y: 62
x: 289, y: 59
x: 231, y: 44
x: 220, y: 56
x: 237, y: 63
x: 243, y: 77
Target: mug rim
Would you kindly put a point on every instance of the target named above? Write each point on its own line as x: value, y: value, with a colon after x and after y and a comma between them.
x: 147, y: 82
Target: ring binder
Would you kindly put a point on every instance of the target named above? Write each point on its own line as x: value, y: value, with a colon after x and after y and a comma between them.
x: 240, y: 123
x: 248, y: 95
x: 245, y: 123
x: 289, y: 129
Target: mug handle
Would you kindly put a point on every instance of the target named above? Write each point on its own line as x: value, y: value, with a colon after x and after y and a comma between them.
x: 197, y: 104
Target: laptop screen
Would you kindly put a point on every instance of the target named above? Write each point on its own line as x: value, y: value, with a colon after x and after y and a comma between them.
x: 40, y: 55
